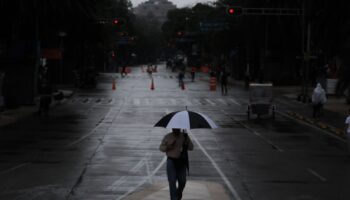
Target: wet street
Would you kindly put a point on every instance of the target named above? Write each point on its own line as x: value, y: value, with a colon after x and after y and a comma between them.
x: 100, y: 144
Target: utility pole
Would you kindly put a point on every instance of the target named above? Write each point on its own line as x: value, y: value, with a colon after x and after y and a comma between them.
x: 238, y: 11
x: 305, y: 96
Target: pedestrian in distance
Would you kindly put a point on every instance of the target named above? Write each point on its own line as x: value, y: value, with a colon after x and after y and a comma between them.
x: 175, y: 145
x: 347, y: 129
x: 45, y: 99
x: 181, y: 78
x: 193, y: 73
x: 318, y: 100
x: 149, y: 70
x: 123, y: 71
x: 224, y: 80
x: 246, y: 78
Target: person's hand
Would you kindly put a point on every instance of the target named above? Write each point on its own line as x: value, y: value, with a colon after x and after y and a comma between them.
x: 171, y: 144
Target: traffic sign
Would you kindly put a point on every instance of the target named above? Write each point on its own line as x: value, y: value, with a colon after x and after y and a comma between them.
x: 213, y: 25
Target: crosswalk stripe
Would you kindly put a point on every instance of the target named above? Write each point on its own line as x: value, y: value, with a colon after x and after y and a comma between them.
x: 223, y: 101
x: 136, y: 101
x: 111, y: 101
x: 157, y: 101
x: 173, y: 102
x: 196, y: 102
x: 210, y: 102
x: 234, y: 101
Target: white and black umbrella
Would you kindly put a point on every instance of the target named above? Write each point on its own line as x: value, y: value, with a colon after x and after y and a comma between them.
x: 186, y: 120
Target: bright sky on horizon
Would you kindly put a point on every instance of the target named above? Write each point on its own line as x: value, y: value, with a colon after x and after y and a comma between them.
x: 178, y: 3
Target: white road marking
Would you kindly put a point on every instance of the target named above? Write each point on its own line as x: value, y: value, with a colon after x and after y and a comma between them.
x: 160, y: 102
x: 146, y: 102
x: 101, y: 100
x: 222, y: 101
x: 148, y: 171
x: 112, y: 101
x: 196, y: 102
x: 144, y: 180
x: 263, y: 138
x: 223, y: 176
x: 323, y: 179
x: 122, y: 180
x: 108, y: 119
x: 234, y: 101
x: 257, y: 134
x: 136, y: 101
x: 14, y: 168
x: 173, y: 102
x: 210, y: 102
x: 188, y: 102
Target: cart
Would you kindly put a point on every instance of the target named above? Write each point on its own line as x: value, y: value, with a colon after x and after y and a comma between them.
x: 261, y: 100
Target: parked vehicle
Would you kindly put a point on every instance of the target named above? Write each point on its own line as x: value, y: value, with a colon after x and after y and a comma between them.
x: 261, y: 100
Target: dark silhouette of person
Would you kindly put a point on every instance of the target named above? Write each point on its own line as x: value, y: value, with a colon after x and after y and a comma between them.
x: 175, y: 145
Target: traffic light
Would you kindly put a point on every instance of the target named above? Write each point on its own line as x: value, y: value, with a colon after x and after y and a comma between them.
x: 113, y: 54
x: 234, y: 11
x: 118, y: 21
x: 179, y: 34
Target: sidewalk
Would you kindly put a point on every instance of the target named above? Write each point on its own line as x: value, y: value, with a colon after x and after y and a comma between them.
x: 333, y: 115
x: 13, y: 115
x: 334, y: 111
x: 194, y: 190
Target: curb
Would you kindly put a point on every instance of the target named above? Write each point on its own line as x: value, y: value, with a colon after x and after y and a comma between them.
x: 319, y: 124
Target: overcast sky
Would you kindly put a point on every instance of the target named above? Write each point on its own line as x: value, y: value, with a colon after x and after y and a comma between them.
x: 178, y: 3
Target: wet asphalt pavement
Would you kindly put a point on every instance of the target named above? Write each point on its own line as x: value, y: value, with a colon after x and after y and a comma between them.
x: 101, y: 145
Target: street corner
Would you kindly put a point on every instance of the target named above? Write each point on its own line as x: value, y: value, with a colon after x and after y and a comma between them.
x: 194, y: 190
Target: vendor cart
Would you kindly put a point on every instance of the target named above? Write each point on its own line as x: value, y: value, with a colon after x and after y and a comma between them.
x: 261, y: 100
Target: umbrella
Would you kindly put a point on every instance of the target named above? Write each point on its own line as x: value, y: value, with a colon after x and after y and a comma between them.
x: 186, y: 120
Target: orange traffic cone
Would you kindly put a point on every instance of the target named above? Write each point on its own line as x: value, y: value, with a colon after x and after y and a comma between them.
x: 113, y: 84
x: 152, y: 85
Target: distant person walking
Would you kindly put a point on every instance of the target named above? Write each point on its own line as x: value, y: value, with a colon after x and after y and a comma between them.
x: 181, y: 78
x: 246, y: 78
x: 149, y: 70
x: 123, y: 71
x: 318, y: 100
x: 175, y: 145
x: 347, y: 130
x: 224, y: 80
x: 45, y: 99
x: 193, y: 73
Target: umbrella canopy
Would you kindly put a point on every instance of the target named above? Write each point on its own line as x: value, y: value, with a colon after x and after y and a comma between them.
x: 186, y: 120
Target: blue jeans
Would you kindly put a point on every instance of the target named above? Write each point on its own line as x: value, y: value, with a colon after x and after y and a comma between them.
x: 176, y: 170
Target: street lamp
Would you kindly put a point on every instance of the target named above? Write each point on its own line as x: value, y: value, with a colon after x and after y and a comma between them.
x: 61, y: 34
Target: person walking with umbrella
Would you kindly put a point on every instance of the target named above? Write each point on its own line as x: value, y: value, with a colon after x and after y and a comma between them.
x: 175, y: 145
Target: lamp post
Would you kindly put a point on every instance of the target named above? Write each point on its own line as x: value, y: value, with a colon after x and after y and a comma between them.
x: 61, y: 34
